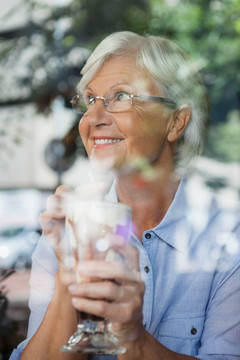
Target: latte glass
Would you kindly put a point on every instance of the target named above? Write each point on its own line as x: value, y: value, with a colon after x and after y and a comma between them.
x: 91, y: 227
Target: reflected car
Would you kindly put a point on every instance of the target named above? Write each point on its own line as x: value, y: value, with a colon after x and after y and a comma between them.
x: 16, y: 247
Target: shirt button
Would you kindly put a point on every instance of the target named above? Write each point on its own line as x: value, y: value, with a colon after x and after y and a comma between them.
x: 148, y: 236
x: 146, y: 269
x: 193, y: 331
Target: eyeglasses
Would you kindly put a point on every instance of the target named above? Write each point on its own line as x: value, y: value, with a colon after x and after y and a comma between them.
x: 117, y: 102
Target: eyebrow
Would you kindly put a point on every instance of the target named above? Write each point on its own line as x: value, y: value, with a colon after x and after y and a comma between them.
x: 112, y: 87
x: 120, y: 84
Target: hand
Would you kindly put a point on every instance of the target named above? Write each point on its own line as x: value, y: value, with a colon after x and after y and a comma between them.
x: 116, y: 294
x: 53, y: 219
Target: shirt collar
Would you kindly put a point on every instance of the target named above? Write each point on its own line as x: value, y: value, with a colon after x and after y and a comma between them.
x: 174, y: 220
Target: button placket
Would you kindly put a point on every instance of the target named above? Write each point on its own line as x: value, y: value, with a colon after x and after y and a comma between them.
x: 147, y: 277
x: 148, y: 294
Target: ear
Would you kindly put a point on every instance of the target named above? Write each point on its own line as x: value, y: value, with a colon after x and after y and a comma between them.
x: 180, y: 121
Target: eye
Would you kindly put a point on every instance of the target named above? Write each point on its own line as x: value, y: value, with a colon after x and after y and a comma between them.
x: 122, y: 96
x: 89, y: 99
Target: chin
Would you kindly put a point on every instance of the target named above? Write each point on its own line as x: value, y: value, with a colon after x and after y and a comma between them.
x: 104, y: 163
x: 106, y: 160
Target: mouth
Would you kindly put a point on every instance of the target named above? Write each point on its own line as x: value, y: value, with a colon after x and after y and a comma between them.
x: 106, y: 141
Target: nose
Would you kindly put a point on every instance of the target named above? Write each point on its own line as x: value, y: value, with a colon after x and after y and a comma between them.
x: 98, y: 114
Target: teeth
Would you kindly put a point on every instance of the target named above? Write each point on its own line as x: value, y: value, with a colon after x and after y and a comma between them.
x: 106, y: 141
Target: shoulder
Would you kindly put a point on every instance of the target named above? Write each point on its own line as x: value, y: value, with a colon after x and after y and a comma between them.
x: 214, y: 227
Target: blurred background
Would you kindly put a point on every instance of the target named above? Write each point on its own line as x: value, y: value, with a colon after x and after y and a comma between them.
x: 43, y: 46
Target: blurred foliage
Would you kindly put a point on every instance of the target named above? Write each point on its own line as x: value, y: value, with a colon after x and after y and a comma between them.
x: 48, y: 53
x: 208, y: 29
x: 223, y: 141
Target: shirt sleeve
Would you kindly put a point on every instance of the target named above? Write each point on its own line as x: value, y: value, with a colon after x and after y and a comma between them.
x: 44, y: 268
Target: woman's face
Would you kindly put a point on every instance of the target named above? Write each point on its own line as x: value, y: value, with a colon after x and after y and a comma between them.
x: 114, y: 139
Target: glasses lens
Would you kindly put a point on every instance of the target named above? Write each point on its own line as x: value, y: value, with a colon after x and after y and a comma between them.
x: 78, y: 104
x: 120, y: 101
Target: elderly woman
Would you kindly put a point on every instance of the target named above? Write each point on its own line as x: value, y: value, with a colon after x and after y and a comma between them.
x: 145, y: 112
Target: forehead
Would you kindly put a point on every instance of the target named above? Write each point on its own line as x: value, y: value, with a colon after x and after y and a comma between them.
x: 121, y: 71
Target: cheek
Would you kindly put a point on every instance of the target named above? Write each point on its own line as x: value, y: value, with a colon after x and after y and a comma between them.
x: 146, y: 129
x: 82, y: 129
x: 148, y: 137
x: 81, y: 126
x: 83, y: 132
x: 155, y: 125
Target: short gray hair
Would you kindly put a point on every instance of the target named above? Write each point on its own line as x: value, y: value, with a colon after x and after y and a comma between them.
x: 174, y: 74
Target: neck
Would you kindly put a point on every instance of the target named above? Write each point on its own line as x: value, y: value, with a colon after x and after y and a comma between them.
x: 149, y: 198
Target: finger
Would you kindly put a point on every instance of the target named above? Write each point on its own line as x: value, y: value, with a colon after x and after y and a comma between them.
x: 53, y: 229
x: 67, y: 277
x: 63, y: 190
x: 50, y: 224
x: 128, y: 252
x: 106, y: 290
x: 108, y: 270
x: 55, y: 206
x: 56, y: 202
x: 115, y: 312
x: 55, y: 211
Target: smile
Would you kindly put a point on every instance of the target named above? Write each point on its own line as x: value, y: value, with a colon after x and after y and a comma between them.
x: 106, y: 141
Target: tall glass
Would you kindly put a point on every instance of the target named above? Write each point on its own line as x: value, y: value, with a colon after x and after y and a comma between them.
x: 90, y: 227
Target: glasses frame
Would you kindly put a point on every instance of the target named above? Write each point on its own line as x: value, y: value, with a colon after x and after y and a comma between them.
x: 106, y: 101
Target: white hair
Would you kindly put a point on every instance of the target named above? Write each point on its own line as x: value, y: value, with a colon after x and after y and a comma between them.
x: 175, y: 75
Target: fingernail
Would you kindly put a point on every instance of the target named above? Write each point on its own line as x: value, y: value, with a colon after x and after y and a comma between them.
x: 81, y: 267
x: 74, y: 300
x: 72, y: 288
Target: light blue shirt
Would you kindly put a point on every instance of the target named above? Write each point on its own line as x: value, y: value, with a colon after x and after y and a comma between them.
x: 190, y: 264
